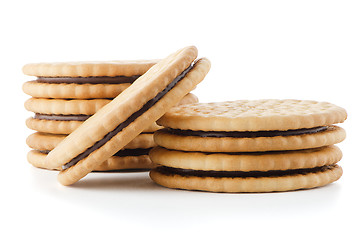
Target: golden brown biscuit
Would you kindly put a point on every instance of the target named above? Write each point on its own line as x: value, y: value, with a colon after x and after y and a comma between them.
x: 83, y: 80
x: 253, y: 115
x: 243, y: 161
x: 249, y: 146
x: 73, y: 90
x: 37, y: 159
x: 87, y: 69
x: 168, y: 139
x: 54, y: 127
x: 46, y: 141
x: 147, y: 99
x: 264, y: 182
x: 78, y: 106
x: 60, y: 116
x: 65, y: 106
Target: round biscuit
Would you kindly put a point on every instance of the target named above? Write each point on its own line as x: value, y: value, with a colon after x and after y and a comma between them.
x: 47, y: 142
x: 37, y: 159
x: 89, y: 68
x: 44, y: 141
x: 253, y: 115
x: 65, y: 106
x: 265, y: 161
x: 62, y: 106
x: 67, y: 127
x: 53, y: 127
x: 332, y: 135
x: 73, y: 90
x: 249, y: 184
x: 79, y: 106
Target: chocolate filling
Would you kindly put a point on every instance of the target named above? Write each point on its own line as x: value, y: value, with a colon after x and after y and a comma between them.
x: 121, y: 153
x: 128, y: 121
x: 133, y: 152
x: 53, y: 117
x: 239, y: 174
x: 245, y: 134
x: 91, y: 80
x: 44, y: 151
x: 256, y: 153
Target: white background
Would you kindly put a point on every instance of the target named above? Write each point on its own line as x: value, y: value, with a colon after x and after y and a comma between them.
x: 258, y: 49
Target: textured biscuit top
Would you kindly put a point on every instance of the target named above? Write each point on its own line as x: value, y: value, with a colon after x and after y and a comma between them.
x: 88, y: 69
x: 253, y: 115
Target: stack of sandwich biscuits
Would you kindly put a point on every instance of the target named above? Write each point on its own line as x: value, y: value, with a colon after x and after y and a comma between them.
x: 64, y: 95
x: 249, y: 146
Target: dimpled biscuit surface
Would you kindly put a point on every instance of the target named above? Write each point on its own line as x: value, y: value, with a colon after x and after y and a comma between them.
x: 90, y: 68
x: 253, y: 115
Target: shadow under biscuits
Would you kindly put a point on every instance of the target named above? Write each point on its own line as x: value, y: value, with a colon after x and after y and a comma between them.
x: 135, y: 195
x: 117, y: 180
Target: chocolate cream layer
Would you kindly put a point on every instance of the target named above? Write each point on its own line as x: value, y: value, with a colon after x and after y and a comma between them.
x: 239, y: 174
x: 220, y: 134
x: 133, y: 152
x: 54, y: 117
x: 91, y: 80
x: 121, y: 153
x: 128, y: 121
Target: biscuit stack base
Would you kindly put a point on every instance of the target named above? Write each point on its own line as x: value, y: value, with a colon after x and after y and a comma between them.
x: 249, y: 146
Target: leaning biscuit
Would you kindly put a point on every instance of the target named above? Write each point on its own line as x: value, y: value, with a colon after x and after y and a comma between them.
x: 120, y: 121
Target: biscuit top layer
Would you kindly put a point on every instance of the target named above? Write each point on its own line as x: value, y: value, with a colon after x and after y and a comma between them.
x: 89, y: 69
x: 253, y: 115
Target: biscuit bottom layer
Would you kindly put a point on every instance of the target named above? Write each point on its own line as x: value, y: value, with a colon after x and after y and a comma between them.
x: 239, y: 174
x: 234, y: 134
x: 128, y: 121
x: 89, y: 80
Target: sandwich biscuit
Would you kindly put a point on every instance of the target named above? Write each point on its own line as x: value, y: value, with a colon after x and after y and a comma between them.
x: 88, y: 107
x: 119, y: 122
x: 133, y: 156
x: 55, y: 117
x: 140, y: 161
x: 249, y: 146
x: 83, y: 80
x: 61, y: 116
